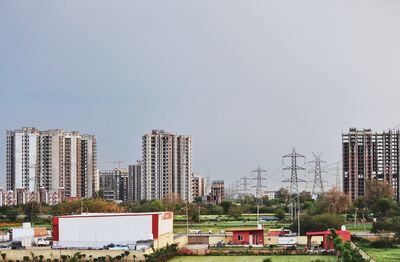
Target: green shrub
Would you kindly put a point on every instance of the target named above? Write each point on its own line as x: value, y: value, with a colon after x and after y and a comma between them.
x: 381, y: 243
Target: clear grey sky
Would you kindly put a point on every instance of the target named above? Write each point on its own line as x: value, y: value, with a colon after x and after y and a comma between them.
x: 247, y: 79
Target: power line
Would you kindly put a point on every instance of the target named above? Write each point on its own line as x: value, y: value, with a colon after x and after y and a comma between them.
x: 294, y: 185
x: 245, y: 184
x: 259, y: 177
x: 318, y: 186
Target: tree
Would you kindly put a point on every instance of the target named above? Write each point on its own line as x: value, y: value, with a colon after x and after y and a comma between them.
x: 390, y: 225
x: 333, y: 201
x: 320, y: 222
x: 305, y: 196
x: 171, y: 201
x: 235, y: 211
x: 280, y: 214
x: 226, y: 205
x: 32, y: 211
x: 283, y: 194
x: 198, y: 200
x: 375, y: 193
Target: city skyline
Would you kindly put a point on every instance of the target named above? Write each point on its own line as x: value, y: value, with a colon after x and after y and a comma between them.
x: 247, y: 82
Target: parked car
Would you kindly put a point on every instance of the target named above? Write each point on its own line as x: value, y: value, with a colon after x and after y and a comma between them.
x: 116, y: 247
x: 4, y: 246
x: 16, y: 245
x: 43, y: 242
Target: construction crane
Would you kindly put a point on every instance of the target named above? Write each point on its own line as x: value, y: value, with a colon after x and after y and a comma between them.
x: 119, y: 162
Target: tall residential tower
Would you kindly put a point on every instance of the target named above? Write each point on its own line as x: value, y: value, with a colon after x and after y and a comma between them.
x: 167, y: 165
x: 51, y: 160
x: 368, y: 155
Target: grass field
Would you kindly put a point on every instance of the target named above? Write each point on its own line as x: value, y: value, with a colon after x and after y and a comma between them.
x: 251, y: 258
x: 382, y: 254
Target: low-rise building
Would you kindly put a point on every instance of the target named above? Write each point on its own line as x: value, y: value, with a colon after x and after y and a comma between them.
x: 198, y: 186
x: 96, y: 230
x: 21, y: 196
x: 217, y: 192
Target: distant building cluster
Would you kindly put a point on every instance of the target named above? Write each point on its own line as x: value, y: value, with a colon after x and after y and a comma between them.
x: 53, y: 160
x: 165, y: 170
x: 64, y: 166
x: 368, y: 155
x: 22, y: 196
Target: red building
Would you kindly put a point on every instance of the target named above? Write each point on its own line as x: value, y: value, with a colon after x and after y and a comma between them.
x: 278, y: 232
x: 248, y: 237
x: 327, y: 243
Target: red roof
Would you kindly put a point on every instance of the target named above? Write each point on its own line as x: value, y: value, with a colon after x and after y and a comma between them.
x: 321, y: 233
x: 245, y: 229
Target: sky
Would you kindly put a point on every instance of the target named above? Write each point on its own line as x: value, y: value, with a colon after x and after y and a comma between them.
x: 249, y: 80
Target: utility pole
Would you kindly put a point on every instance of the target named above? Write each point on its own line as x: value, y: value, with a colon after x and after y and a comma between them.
x: 187, y: 218
x: 338, y: 176
x: 245, y: 184
x: 318, y: 186
x: 294, y: 185
x: 259, y: 178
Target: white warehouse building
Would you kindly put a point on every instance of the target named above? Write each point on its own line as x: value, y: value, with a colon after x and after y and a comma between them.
x: 96, y: 230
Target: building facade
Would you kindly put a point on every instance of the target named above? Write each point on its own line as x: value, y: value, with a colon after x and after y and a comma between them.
x: 217, y: 192
x: 367, y: 155
x: 167, y: 165
x: 114, y: 184
x: 198, y: 186
x: 51, y: 159
x: 22, y: 196
x: 88, y: 166
x: 22, y: 159
x: 135, y: 182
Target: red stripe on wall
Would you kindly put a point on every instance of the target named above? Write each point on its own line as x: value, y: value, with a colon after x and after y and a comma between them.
x: 55, y: 233
x: 155, y: 221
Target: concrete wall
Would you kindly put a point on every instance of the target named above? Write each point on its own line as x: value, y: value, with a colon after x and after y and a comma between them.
x: 214, y: 239
x: 55, y: 254
x: 182, y: 241
x: 163, y: 240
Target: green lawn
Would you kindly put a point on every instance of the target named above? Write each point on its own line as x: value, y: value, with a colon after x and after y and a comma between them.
x: 360, y: 227
x: 382, y: 254
x: 251, y: 258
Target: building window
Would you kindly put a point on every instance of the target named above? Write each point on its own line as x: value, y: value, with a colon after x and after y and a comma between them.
x: 240, y: 237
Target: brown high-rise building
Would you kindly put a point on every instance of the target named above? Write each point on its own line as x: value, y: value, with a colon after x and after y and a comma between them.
x: 217, y: 191
x: 368, y: 155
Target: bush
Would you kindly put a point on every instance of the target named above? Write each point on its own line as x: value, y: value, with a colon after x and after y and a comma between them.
x: 318, y: 223
x: 267, y: 259
x: 381, y: 243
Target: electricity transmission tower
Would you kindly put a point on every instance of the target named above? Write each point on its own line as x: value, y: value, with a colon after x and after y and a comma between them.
x: 318, y: 186
x: 235, y: 187
x: 245, y: 184
x: 259, y: 178
x: 294, y: 196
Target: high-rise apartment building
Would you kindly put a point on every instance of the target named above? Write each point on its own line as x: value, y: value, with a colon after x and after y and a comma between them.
x: 135, y: 182
x: 72, y: 163
x: 22, y: 159
x: 167, y: 165
x: 198, y: 186
x: 53, y: 160
x: 114, y: 184
x: 88, y: 166
x: 368, y: 155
